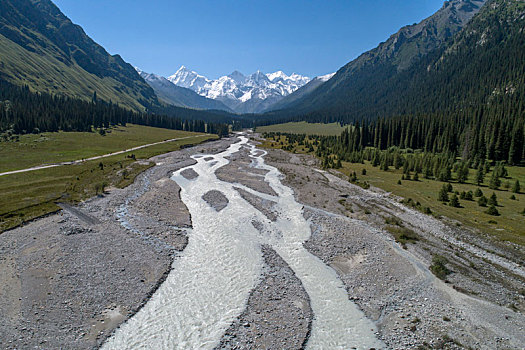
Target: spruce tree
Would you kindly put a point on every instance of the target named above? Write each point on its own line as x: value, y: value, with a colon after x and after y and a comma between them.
x: 443, y: 194
x: 492, y: 211
x: 463, y: 172
x: 482, y: 201
x: 480, y: 175
x: 495, y: 182
x: 493, y: 200
x: 516, y: 188
x: 454, y: 201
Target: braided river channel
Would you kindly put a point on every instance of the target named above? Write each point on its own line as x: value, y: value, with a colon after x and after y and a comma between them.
x: 211, y: 280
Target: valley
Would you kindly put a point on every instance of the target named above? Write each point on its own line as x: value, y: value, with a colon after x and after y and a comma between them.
x: 379, y: 206
x: 343, y: 227
x: 29, y: 195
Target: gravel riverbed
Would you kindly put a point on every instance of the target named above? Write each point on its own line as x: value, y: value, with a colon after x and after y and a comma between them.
x: 69, y: 280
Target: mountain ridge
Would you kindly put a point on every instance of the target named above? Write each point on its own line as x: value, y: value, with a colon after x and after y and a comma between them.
x: 179, y: 96
x: 243, y: 94
x: 397, y: 54
x: 41, y: 47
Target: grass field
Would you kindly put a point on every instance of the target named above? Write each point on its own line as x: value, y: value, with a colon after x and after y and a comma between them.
x: 25, y: 196
x: 304, y: 128
x: 509, y: 226
x: 56, y: 147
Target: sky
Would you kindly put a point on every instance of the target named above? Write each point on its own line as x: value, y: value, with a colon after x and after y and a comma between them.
x: 216, y: 37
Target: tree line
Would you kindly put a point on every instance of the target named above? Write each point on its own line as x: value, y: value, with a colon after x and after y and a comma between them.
x: 23, y: 111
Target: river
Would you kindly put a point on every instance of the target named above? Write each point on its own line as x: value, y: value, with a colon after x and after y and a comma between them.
x: 210, y: 282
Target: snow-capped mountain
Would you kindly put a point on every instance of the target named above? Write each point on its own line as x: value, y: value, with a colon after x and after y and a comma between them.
x: 243, y: 94
x: 300, y: 93
x: 179, y: 96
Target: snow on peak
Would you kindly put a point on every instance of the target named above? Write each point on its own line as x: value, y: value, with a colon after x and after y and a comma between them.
x: 325, y: 78
x: 189, y: 79
x: 238, y: 88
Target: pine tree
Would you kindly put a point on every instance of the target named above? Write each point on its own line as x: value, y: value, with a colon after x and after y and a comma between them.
x: 495, y: 182
x: 478, y: 192
x: 516, y: 188
x: 493, y: 200
x: 480, y: 175
x: 454, y: 201
x: 443, y: 194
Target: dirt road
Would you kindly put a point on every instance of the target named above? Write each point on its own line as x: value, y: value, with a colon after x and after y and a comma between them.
x: 47, y: 166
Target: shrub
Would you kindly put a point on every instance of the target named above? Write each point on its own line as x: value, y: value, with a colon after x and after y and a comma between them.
x: 392, y: 220
x: 363, y: 172
x: 478, y: 192
x: 469, y: 196
x: 513, y: 197
x: 439, y: 268
x: 403, y: 235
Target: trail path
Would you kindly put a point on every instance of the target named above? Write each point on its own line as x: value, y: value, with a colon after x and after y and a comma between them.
x: 47, y: 166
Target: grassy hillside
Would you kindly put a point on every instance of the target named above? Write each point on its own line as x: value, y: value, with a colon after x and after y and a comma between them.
x: 54, y: 147
x: 25, y: 196
x: 42, y: 48
x: 332, y: 129
x: 358, y: 86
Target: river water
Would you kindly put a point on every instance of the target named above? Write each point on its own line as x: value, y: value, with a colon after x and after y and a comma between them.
x: 211, y: 280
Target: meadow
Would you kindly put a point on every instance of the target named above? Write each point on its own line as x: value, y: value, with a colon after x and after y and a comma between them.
x: 54, y: 147
x: 333, y: 129
x: 28, y: 195
x: 508, y: 226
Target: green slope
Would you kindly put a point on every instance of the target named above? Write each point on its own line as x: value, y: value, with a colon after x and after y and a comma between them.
x: 42, y: 48
x: 482, y: 66
x: 343, y: 94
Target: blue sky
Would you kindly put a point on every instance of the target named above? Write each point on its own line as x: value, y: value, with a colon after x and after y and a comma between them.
x: 216, y: 37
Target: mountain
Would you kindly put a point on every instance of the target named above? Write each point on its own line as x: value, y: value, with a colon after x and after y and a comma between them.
x: 300, y: 93
x: 243, y: 94
x: 40, y: 47
x: 179, y: 96
x: 346, y: 93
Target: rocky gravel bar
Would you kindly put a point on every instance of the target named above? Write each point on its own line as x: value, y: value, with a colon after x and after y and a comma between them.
x: 69, y: 279
x: 278, y: 313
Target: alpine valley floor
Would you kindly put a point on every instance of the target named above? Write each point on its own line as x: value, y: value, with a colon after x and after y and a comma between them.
x: 138, y: 261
